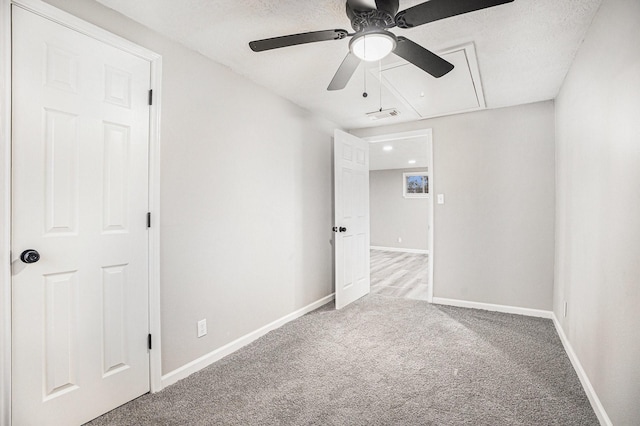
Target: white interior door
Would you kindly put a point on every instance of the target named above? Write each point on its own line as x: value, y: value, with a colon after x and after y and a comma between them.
x: 80, y: 198
x: 351, y: 225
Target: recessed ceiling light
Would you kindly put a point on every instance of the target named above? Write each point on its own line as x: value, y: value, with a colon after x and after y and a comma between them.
x: 412, y: 161
x: 387, y: 147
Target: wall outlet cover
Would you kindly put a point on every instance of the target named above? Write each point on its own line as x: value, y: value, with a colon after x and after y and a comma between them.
x: 202, y: 327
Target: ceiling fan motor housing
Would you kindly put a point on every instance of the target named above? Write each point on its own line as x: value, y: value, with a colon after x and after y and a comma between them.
x: 376, y: 18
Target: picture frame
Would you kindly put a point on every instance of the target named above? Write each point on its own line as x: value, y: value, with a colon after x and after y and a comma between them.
x: 415, y: 185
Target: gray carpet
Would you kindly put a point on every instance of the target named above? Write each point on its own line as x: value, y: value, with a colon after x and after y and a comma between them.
x: 381, y: 361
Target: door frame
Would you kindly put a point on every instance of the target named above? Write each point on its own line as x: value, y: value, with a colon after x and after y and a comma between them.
x: 428, y: 134
x: 70, y: 21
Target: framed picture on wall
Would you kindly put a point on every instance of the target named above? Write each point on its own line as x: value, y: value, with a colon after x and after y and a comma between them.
x: 415, y: 185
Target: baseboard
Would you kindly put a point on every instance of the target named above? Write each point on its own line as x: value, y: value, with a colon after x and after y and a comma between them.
x: 597, y: 406
x: 404, y: 250
x: 229, y: 348
x: 491, y: 307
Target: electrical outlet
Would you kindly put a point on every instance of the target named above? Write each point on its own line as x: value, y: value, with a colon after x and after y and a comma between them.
x: 202, y: 327
x: 399, y: 239
x: 566, y: 306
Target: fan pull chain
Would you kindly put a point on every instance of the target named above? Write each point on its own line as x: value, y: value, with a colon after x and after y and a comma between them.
x: 364, y: 70
x: 380, y: 78
x: 364, y: 92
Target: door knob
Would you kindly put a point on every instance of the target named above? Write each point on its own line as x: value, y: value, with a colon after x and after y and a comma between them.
x: 30, y: 256
x: 343, y: 229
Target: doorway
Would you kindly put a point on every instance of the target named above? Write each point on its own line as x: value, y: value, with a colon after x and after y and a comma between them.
x: 401, y: 203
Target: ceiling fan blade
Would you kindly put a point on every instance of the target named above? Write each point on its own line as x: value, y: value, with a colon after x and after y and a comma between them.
x: 344, y: 73
x: 390, y: 6
x: 422, y: 58
x: 434, y: 10
x: 294, y: 39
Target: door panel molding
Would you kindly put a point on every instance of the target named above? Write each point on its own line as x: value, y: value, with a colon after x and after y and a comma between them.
x: 56, y: 15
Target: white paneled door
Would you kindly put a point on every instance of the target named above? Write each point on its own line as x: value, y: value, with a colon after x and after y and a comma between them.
x: 80, y: 198
x: 351, y: 224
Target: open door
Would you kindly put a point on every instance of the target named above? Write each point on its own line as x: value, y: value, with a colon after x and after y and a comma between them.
x: 351, y: 224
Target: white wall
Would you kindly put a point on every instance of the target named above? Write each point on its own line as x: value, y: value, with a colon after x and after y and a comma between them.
x: 392, y: 215
x: 598, y: 208
x: 246, y: 198
x: 494, y: 236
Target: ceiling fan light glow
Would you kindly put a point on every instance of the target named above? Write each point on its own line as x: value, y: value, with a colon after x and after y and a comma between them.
x: 373, y: 45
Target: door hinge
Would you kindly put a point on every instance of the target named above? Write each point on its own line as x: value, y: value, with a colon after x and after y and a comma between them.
x: 150, y: 97
x: 149, y: 341
x: 148, y: 219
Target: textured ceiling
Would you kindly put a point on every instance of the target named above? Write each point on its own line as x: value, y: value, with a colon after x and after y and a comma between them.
x: 524, y: 49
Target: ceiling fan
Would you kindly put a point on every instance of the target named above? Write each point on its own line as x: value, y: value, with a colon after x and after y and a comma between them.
x: 372, y: 39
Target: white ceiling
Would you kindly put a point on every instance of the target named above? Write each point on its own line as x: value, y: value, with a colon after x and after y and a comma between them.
x: 402, y: 151
x: 524, y: 49
x: 419, y: 95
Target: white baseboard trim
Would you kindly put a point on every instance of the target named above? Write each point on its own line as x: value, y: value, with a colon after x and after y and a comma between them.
x: 496, y: 308
x: 211, y: 357
x: 597, y: 406
x: 404, y: 250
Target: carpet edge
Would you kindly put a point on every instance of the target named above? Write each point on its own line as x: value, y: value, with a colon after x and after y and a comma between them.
x: 217, y: 354
x: 493, y: 307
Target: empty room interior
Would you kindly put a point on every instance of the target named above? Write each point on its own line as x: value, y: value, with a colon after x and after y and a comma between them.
x: 211, y: 215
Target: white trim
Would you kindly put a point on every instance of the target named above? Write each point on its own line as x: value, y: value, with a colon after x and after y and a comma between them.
x: 5, y: 212
x: 423, y: 133
x: 397, y: 249
x: 597, y: 406
x: 70, y: 21
x: 472, y: 62
x: 155, y: 356
x: 432, y: 219
x: 208, y: 359
x: 495, y: 308
x: 414, y: 134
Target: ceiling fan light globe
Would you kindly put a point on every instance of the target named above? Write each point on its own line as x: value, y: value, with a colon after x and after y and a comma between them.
x: 372, y: 46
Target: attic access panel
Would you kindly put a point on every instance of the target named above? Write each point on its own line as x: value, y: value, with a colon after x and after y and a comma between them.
x: 458, y: 91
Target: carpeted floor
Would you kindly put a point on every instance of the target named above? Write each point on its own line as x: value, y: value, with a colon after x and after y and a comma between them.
x: 381, y: 361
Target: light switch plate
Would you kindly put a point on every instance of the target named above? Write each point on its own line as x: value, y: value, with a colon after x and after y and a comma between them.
x: 440, y: 198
